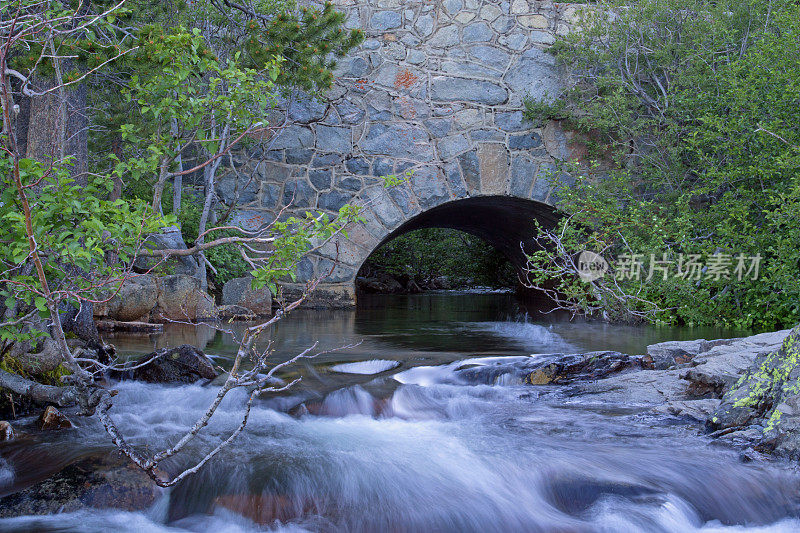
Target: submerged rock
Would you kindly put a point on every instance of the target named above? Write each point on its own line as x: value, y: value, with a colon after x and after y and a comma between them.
x: 52, y: 419
x: 106, y: 480
x: 184, y: 364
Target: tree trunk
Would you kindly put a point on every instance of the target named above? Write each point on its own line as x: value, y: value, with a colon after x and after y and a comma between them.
x: 57, y: 126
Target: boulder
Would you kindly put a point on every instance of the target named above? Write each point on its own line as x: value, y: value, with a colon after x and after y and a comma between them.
x: 240, y: 292
x: 184, y: 364
x: 104, y: 480
x: 180, y: 298
x: 147, y: 297
x: 135, y: 301
x: 52, y: 419
x: 169, y: 239
x: 767, y: 395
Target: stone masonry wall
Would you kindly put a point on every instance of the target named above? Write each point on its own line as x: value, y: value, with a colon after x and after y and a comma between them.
x: 437, y: 88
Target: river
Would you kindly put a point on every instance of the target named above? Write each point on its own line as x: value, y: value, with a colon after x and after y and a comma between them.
x: 412, y: 448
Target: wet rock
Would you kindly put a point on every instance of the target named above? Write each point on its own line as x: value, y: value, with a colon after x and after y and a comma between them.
x: 105, y: 480
x: 184, y: 364
x: 6, y: 431
x: 549, y: 369
x: 52, y: 419
x: 240, y: 292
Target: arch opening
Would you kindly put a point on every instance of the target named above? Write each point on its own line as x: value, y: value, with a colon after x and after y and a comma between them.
x: 505, y: 224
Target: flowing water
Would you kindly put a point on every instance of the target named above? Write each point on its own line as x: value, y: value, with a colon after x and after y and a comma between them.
x: 384, y: 436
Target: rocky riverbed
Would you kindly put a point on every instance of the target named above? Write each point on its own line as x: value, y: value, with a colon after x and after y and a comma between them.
x: 664, y: 401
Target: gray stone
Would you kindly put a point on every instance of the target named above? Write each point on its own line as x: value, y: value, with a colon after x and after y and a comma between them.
x: 503, y: 24
x: 326, y: 160
x: 512, y: 121
x: 333, y: 139
x: 527, y: 141
x: 294, y: 137
x: 349, y: 183
x: 239, y: 291
x: 371, y: 44
x: 515, y: 41
x: 523, y: 172
x: 320, y: 179
x: 252, y: 220
x: 428, y: 186
x: 385, y: 20
x: 299, y: 156
x: 533, y: 76
x: 357, y: 165
x: 452, y: 146
x: 359, y: 67
x: 470, y: 170
x: 478, y: 32
x: 382, y: 206
x: 444, y: 37
x: 304, y: 270
x: 402, y: 198
x: 350, y: 113
x: 453, y: 6
x: 491, y: 56
x: 270, y: 195
x: 382, y: 167
x: 335, y: 272
x: 306, y: 109
x: 453, y: 174
x: 398, y: 140
x: 273, y: 173
x: 416, y: 57
x: 242, y: 190
x: 298, y: 193
x: 438, y: 127
x: 424, y: 25
x: 487, y: 135
x: 463, y: 89
x: 468, y: 69
x: 333, y: 200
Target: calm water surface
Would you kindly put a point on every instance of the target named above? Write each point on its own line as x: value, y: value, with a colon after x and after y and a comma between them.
x: 382, y: 436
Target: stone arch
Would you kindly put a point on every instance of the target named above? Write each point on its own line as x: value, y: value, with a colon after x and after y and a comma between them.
x: 504, y: 221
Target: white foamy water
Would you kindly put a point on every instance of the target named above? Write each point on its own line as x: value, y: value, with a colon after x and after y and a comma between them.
x: 374, y: 366
x: 528, y: 336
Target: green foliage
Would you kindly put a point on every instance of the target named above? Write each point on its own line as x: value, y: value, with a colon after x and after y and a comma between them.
x: 75, y: 228
x: 425, y: 254
x: 694, y: 120
x: 226, y: 259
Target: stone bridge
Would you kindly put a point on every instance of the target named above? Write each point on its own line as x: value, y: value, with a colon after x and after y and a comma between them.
x: 437, y: 89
